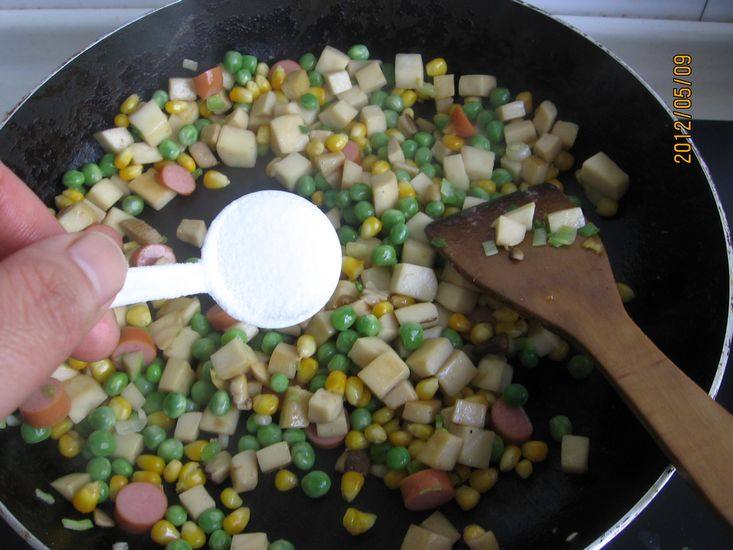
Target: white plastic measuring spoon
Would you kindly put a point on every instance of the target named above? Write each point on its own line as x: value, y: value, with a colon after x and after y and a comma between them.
x: 270, y: 258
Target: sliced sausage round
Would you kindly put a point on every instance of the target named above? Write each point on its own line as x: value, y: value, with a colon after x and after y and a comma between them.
x: 139, y: 505
x: 219, y: 318
x: 288, y: 66
x: 426, y: 489
x: 511, y: 423
x: 322, y: 442
x: 152, y: 254
x: 133, y: 339
x: 209, y: 82
x: 107, y: 230
x: 176, y: 178
x: 46, y: 406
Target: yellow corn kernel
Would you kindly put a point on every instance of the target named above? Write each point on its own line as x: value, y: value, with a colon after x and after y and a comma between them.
x: 626, y: 292
x: 70, y: 444
x: 552, y: 173
x: 415, y: 447
x: 361, y: 141
x: 368, y: 162
x: 263, y: 84
x: 356, y: 441
x: 130, y: 104
x: 188, y: 468
x: 336, y: 382
x: 265, y: 404
x: 147, y: 477
x: 230, y: 499
x: 150, y: 463
x: 320, y: 94
x: 193, y: 452
x: 253, y: 88
x: 487, y: 185
x: 317, y: 198
x: 505, y: 314
x: 398, y: 301
x: 436, y: 67
x: 164, y: 532
x: 526, y: 98
x: 397, y: 91
x: 427, y: 388
x: 159, y: 418
x: 61, y: 202
x: 277, y: 78
x: 123, y: 159
x: 382, y: 308
x: 236, y: 521
x: 556, y: 182
x: 121, y: 407
x: 509, y: 459
x: 196, y: 478
x: 213, y: 179
x: 138, y: 315
x: 239, y: 94
x: 535, y: 451
x: 471, y: 532
x: 101, y: 370
x: 564, y: 161
x: 365, y: 398
x: 263, y: 135
x: 86, y: 498
x: 594, y: 244
x: 336, y: 142
x: 353, y: 390
x: 351, y: 267
x: 358, y: 129
x: 116, y: 483
x: 375, y: 433
x: 459, y: 322
x: 193, y: 535
x: 483, y: 480
x: 186, y: 161
x: 131, y: 172
x: 203, y: 109
x: 421, y: 431
x: 61, y: 428
x: 307, y: 369
x: 409, y: 98
x: 393, y: 478
x: 391, y: 426
x: 306, y: 346
x: 285, y: 481
x: 467, y: 497
x: 480, y: 333
x: 382, y: 416
x: 405, y: 189
x: 262, y: 69
x: 453, y: 142
x: 351, y: 484
x: 77, y: 364
x: 395, y: 133
x: 281, y: 98
x: 172, y: 470
x: 524, y: 468
x: 175, y: 106
x: 315, y: 148
x: 400, y: 438
x: 370, y: 227
x: 122, y: 120
x: 380, y: 167
x: 357, y: 522
x: 162, y: 164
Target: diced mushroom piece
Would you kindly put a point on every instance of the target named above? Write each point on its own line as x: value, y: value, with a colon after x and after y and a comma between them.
x: 338, y: 115
x: 510, y: 111
x: 373, y: 118
x: 476, y: 445
x: 177, y: 376
x: 469, y: 413
x: 237, y: 147
x: 455, y: 171
x: 152, y: 123
x: 570, y: 217
x: 244, y: 471
x: 187, y: 426
x: 494, y: 374
x: 456, y: 373
x: 534, y: 170
x: 417, y: 225
x: 544, y: 117
x: 141, y: 232
x: 602, y: 176
x: 408, y: 70
x: 337, y: 427
x: 181, y: 345
x: 114, y: 140
x: 415, y: 281
x: 294, y: 412
x: 331, y: 59
x: 68, y: 485
x: 218, y: 468
x: 478, y: 163
x: 390, y: 327
x: 156, y: 195
x: 85, y: 395
x: 128, y: 446
x: 425, y: 313
x: 574, y: 451
x: 420, y: 538
x: 508, y: 232
x: 384, y: 373
x: 196, y: 500
x: 430, y: 357
x: 566, y: 131
x: 418, y: 253
x: 402, y: 393
x: 365, y: 350
x: 320, y: 327
x: 476, y: 85
x: 370, y: 77
x: 456, y: 298
x: 79, y: 216
x: 284, y: 360
x: 226, y: 424
x: 250, y: 541
x: 324, y: 406
x: 520, y: 131
x: 441, y: 450
x: 104, y: 194
x: 192, y: 232
x: 385, y: 191
x: 233, y: 359
x: 422, y: 412
x: 444, y: 86
x: 274, y: 457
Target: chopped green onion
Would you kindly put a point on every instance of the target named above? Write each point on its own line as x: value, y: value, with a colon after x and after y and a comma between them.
x: 538, y: 224
x: 588, y: 230
x: 304, y: 129
x: 77, y: 525
x: 438, y: 242
x: 359, y: 286
x: 45, y: 497
x: 439, y: 421
x: 565, y: 236
x: 539, y: 237
x: 490, y: 248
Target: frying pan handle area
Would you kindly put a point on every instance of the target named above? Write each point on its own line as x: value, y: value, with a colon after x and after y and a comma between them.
x: 694, y: 431
x: 159, y: 282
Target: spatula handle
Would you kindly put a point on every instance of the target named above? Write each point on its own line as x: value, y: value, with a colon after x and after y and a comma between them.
x: 158, y: 282
x: 694, y: 431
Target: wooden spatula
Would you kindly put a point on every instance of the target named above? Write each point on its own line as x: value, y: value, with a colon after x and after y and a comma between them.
x: 573, y: 290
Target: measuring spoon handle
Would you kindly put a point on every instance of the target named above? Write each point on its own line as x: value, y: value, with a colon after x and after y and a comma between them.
x: 159, y: 282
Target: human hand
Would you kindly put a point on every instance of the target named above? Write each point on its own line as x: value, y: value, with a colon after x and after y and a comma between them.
x: 55, y: 291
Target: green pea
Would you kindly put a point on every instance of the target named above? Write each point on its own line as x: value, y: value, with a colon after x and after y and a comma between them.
x: 398, y: 458
x: 392, y: 217
x: 210, y: 520
x: 379, y: 139
x: 107, y: 166
x: 338, y: 362
x: 384, y: 255
x: 408, y: 206
x: 203, y: 348
x: 429, y: 170
x: 560, y: 426
x: 382, y: 153
x: 220, y: 540
x: 435, y: 209
x: 154, y: 371
x: 500, y: 176
x: 453, y: 336
x: 498, y: 97
x: 232, y: 61
x: 103, y: 490
x: 441, y: 121
x: 293, y: 435
x: 358, y: 52
x: 270, y: 341
x: 315, y: 79
x: 451, y: 195
x: 248, y: 443
x: 363, y: 209
x: 201, y: 392
x: 472, y: 109
x: 411, y: 335
x: 170, y: 449
x: 346, y: 234
x: 495, y: 131
x: 133, y: 205
x: 378, y: 452
x: 169, y: 149
x: 210, y: 450
x: 178, y: 544
x: 305, y: 186
x: 315, y: 484
x: 303, y: 455
x: 360, y: 418
x: 485, y: 117
x: 329, y: 198
x: 479, y: 192
x: 220, y: 403
x: 580, y: 367
x: 391, y: 117
x: 249, y: 62
x: 317, y: 382
x: 160, y: 97
x: 349, y: 216
x: 116, y: 383
x: 325, y: 352
x: 153, y: 436
x: 242, y: 76
x: 102, y: 418
x: 409, y: 148
x: 402, y: 175
x: 191, y: 405
x: 251, y: 424
x: 100, y: 468
x: 394, y: 102
x: 101, y: 443
x: 92, y: 173
x: 343, y: 317
x: 480, y: 142
x: 233, y: 333
x: 528, y: 358
x: 279, y: 382
x: 424, y: 139
x: 174, y: 404
x: 497, y: 448
x: 343, y: 200
x: 347, y: 338
x: 309, y: 102
x: 515, y: 395
x: 269, y: 435
x: 201, y: 123
x: 281, y: 544
x: 360, y: 192
x: 378, y: 98
x: 32, y: 435
x: 423, y: 155
x: 188, y: 135
x: 200, y: 324
x: 307, y: 61
x: 176, y: 514
x: 121, y: 467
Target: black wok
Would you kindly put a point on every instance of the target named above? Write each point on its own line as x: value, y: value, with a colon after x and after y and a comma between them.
x: 669, y: 242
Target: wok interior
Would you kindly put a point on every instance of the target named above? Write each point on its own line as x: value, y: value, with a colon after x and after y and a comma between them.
x: 667, y: 242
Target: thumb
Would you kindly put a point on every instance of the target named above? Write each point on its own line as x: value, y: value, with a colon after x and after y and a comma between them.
x: 51, y: 294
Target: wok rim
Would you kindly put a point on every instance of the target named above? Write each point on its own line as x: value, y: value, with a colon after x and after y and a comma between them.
x: 670, y: 470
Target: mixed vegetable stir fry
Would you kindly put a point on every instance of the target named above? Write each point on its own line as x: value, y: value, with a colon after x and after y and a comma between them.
x: 407, y: 368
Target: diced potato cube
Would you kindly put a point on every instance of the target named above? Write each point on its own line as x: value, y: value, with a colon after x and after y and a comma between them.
x: 362, y: 249
x: 345, y: 293
x: 320, y: 327
x: 132, y: 363
x: 294, y: 412
x: 390, y: 327
x: 142, y: 153
x: 120, y: 184
x: 510, y: 111
x: 418, y: 253
x: 456, y: 373
x: 603, y: 176
x: 425, y: 313
x: 331, y: 59
x: 210, y: 134
x: 338, y: 115
x: 494, y: 374
x: 156, y: 195
x: 79, y: 216
x: 237, y: 118
x: 395, y: 155
x: 290, y: 169
x: 419, y: 538
x: 152, y: 123
x: 114, y: 140
x: 420, y: 183
x: 470, y: 202
x: 187, y: 426
x: 370, y: 77
x: 274, y: 457
x: 520, y: 131
x: 384, y: 373
x: 487, y: 541
x: 217, y: 469
x: 570, y: 217
x: 226, y: 424
x: 544, y: 117
x: 188, y: 115
x: 262, y: 108
x: 417, y: 225
x: 438, y: 523
x: 290, y: 108
x: 244, y: 471
x: 422, y: 412
x: 441, y: 450
x: 192, y: 232
x: 401, y: 394
x: 541, y: 340
x: 329, y: 163
x: 68, y: 485
x: 385, y: 191
x: 455, y: 171
x: 513, y: 166
x: 128, y: 446
x: 566, y: 131
x: 376, y: 278
x: 476, y: 446
x: 337, y: 81
x: 548, y: 147
x: 354, y: 97
x: 134, y: 396
x: 233, y: 359
x: 508, y: 232
x: 296, y: 84
x: 286, y: 136
x: 367, y: 349
x: 373, y: 117
x: 428, y: 358
x: 284, y: 360
x: 181, y: 345
x: 237, y: 147
x: 85, y: 395
x: 574, y: 451
x: 450, y: 275
x: 478, y: 163
x: 187, y: 307
x: 177, y: 376
x: 524, y: 215
x: 476, y: 85
x: 469, y: 413
x: 415, y: 281
x: 337, y: 427
x: 456, y: 298
x: 408, y: 69
x: 324, y: 406
x: 181, y: 88
x: 196, y: 500
x: 250, y: 541
x: 351, y: 174
x: 534, y: 170
x: 444, y: 86
x: 165, y: 328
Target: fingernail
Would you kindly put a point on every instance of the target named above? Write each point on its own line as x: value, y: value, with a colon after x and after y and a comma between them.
x: 102, y: 262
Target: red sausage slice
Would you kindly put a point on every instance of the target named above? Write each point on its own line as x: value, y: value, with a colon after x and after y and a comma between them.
x: 134, y: 339
x: 461, y: 124
x: 288, y: 66
x: 176, y: 178
x: 46, y: 406
x: 152, y: 254
x: 351, y: 152
x: 323, y: 442
x: 138, y: 506
x: 219, y: 318
x: 107, y: 230
x: 209, y: 82
x: 426, y: 489
x: 511, y: 423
